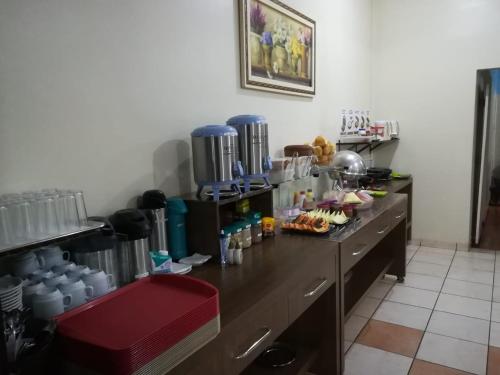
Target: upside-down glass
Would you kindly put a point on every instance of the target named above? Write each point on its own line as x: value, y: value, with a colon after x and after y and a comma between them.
x: 21, y: 217
x: 5, y: 227
x: 67, y: 213
x: 45, y: 217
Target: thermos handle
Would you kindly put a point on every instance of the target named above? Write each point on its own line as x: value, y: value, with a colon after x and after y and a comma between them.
x: 110, y: 280
x: 238, y: 169
x: 267, y: 164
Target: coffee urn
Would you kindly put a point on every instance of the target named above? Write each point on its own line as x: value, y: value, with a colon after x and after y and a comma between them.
x: 153, y: 204
x: 99, y: 250
x: 134, y: 229
x: 253, y: 145
x: 215, y: 159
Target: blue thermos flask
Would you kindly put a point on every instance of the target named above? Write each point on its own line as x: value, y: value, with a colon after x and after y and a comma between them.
x: 176, y: 228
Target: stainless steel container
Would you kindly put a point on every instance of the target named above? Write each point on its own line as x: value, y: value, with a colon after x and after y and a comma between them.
x: 158, y: 239
x: 215, y: 154
x: 106, y: 260
x: 154, y: 202
x: 253, y: 141
x: 133, y: 230
x: 99, y: 250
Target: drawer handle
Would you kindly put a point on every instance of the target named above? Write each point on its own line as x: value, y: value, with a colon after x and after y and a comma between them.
x: 317, y: 289
x: 359, y: 251
x: 383, y: 230
x: 400, y: 215
x: 251, y: 348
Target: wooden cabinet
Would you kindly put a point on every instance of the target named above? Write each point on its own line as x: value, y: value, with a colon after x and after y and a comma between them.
x: 285, y: 290
x: 247, y: 337
x: 311, y: 286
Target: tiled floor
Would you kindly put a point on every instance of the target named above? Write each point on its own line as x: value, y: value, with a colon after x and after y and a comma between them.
x: 444, y: 319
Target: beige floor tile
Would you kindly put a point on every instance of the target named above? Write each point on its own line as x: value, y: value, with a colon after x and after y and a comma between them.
x: 437, y: 250
x: 495, y: 312
x: 379, y: 290
x: 495, y: 334
x: 416, y: 280
x: 353, y: 327
x: 459, y: 327
x: 477, y: 254
x: 347, y: 345
x: 496, y: 293
x: 363, y: 360
x: 475, y: 276
x: 430, y: 257
x: 367, y: 307
x: 412, y: 296
x: 430, y: 269
x: 451, y: 352
x: 405, y: 315
x: 467, y: 289
x: 439, y: 244
x: 474, y: 264
x: 474, y: 308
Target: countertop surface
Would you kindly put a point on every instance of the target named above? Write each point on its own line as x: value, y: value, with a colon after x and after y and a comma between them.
x: 267, y: 265
x: 380, y: 205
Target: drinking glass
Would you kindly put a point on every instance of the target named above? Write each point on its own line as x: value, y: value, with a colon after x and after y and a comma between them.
x: 22, y: 221
x: 45, y: 217
x: 67, y: 213
x: 80, y: 206
x: 5, y: 226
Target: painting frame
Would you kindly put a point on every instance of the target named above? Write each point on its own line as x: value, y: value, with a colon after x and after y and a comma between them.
x: 293, y: 71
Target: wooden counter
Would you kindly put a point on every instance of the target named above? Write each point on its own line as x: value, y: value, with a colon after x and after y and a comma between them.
x: 262, y: 300
x: 298, y: 289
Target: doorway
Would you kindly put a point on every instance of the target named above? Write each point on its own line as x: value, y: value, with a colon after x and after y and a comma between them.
x: 485, y: 218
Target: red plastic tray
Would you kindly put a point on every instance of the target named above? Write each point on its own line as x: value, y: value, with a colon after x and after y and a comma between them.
x: 122, y: 331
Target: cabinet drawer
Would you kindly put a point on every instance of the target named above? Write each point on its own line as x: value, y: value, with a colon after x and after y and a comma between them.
x: 398, y: 212
x: 360, y: 243
x: 252, y: 333
x: 318, y: 279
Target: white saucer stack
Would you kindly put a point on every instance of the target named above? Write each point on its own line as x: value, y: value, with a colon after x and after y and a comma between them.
x: 11, y: 293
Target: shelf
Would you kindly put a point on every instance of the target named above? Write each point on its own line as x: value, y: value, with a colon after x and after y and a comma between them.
x: 224, y: 201
x: 360, y: 147
x: 305, y: 358
x: 92, y: 225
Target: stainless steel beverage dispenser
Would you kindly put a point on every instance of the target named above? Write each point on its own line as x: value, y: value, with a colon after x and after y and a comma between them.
x: 134, y: 230
x: 215, y: 158
x: 153, y: 203
x: 253, y: 144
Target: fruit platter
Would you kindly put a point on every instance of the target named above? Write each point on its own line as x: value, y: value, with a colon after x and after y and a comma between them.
x: 317, y: 221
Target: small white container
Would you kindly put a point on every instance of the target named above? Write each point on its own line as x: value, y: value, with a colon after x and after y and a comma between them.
x: 238, y: 256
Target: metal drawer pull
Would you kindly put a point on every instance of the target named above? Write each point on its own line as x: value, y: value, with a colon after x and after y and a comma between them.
x: 382, y: 231
x: 400, y: 215
x: 252, y: 347
x: 316, y: 290
x: 361, y: 250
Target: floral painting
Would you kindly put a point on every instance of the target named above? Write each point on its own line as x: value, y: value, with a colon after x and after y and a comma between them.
x: 277, y: 48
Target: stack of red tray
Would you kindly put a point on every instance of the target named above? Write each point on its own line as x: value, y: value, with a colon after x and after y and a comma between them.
x: 147, y: 327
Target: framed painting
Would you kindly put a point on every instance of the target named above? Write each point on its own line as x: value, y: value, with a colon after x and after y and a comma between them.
x: 277, y: 48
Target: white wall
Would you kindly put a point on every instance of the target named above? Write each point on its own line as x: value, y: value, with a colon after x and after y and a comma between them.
x: 425, y: 57
x: 102, y: 95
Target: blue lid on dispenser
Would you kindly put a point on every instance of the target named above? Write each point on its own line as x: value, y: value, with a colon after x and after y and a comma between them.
x: 246, y: 119
x: 213, y: 131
